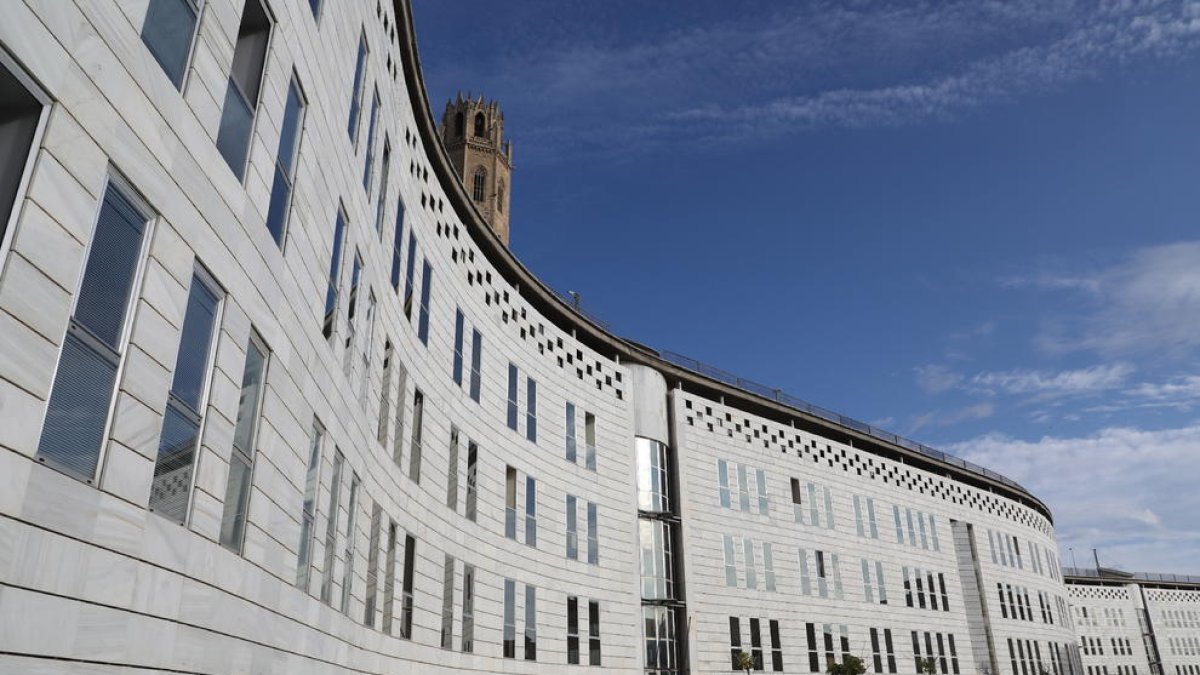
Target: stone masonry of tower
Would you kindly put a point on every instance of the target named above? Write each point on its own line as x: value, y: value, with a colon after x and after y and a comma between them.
x: 472, y: 130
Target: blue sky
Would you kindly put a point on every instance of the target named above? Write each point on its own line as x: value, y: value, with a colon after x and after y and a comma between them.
x: 974, y: 223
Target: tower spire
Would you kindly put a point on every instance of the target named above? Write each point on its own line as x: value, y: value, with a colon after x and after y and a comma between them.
x: 472, y: 130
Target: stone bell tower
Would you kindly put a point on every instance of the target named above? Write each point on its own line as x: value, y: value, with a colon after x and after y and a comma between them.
x: 473, y: 133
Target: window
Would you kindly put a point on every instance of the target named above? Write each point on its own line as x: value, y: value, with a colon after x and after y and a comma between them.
x: 761, y: 480
x: 477, y: 184
x: 530, y: 511
x: 883, y: 654
x: 170, y: 492
x: 653, y: 480
x: 510, y: 503
x: 570, y: 432
x: 510, y: 619
x: 657, y: 563
x: 797, y: 501
x: 512, y: 397
x: 78, y: 411
x: 360, y: 67
x: 372, y: 127
x: 480, y: 125
x: 245, y: 83
x: 589, y: 436
x: 331, y: 526
x: 814, y: 662
x: 352, y: 310
x: 408, y: 275
x: 385, y: 393
x: 593, y: 633
x: 452, y: 471
x: 659, y: 630
x: 333, y: 285
x: 426, y: 288
x: 756, y: 651
x: 22, y: 106
x: 472, y: 479
x: 751, y: 565
x: 776, y: 647
x: 168, y: 32
x: 351, y: 538
x: 735, y: 642
x: 572, y: 529
x: 397, y: 241
x: 418, y: 424
x: 385, y: 173
x: 308, y: 515
x: 241, y: 462
x: 531, y: 409
x: 731, y: 575
x: 723, y: 482
x: 476, y: 363
x: 530, y: 623
x: 457, y: 369
x: 572, y: 630
x: 468, y: 609
x: 315, y: 6
x: 500, y: 197
x: 389, y: 579
x: 398, y: 439
x: 593, y: 519
x: 285, y: 162
x: 448, y: 603
x: 459, y: 124
x: 406, y: 597
x: 769, y: 566
x: 373, y: 567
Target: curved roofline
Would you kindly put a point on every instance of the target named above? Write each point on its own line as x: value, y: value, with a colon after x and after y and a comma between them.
x: 598, y: 338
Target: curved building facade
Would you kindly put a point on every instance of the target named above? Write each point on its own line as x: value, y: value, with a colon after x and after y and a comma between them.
x: 274, y: 398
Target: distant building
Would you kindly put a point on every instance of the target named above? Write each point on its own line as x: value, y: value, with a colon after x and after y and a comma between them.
x: 472, y: 130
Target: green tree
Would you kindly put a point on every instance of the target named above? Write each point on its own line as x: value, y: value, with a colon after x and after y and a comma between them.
x: 745, y: 661
x: 927, y: 666
x: 850, y: 665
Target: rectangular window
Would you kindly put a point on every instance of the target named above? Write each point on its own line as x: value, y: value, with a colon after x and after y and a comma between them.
x: 331, y: 527
x: 731, y: 575
x: 814, y: 658
x: 448, y: 603
x: 756, y: 652
x: 308, y: 515
x: 170, y: 491
x: 510, y: 619
x: 468, y: 609
x: 874, y: 529
x: 530, y: 511
x: 572, y: 529
x: 22, y: 104
x: 761, y: 481
x: 285, y: 162
x: 352, y: 310
x: 372, y: 127
x: 594, y: 633
x: 868, y: 584
x: 769, y: 566
x: 452, y: 471
x: 373, y: 566
x: 77, y: 414
x: 570, y: 432
x: 351, y: 538
x: 899, y: 529
x: 652, y: 478
x: 472, y: 479
x: 882, y: 584
x: 245, y: 84
x: 530, y: 623
x: 531, y: 409
x: 805, y: 584
x: 512, y: 397
x: 723, y: 482
x: 389, y: 579
x: 168, y: 32
x: 397, y: 242
x: 385, y: 168
x: 751, y: 565
x: 797, y: 501
x: 572, y: 630
x: 743, y: 488
x: 385, y: 393
x: 398, y: 439
x: 735, y: 641
x: 360, y: 67
x: 457, y: 369
x: 657, y: 564
x: 418, y: 429
x: 814, y: 511
x: 589, y: 436
x: 476, y: 363
x: 241, y: 462
x: 426, y: 288
x: 593, y: 534
x: 406, y: 597
x: 409, y: 274
x: 333, y: 285
x: 510, y: 503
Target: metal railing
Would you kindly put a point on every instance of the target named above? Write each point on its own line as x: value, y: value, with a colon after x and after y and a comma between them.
x: 1117, y: 575
x: 782, y: 397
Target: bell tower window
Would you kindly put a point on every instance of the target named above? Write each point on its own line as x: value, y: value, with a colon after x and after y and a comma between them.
x: 477, y: 184
x: 480, y: 125
x: 459, y: 125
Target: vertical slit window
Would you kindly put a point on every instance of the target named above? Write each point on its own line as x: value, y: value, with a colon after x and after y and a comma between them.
x: 593, y: 633
x: 308, y: 515
x: 331, y: 526
x: 468, y: 609
x: 531, y: 409
x: 418, y: 424
x: 476, y: 363
x: 589, y: 437
x: 245, y: 84
x: 20, y: 113
x: 397, y: 241
x: 80, y: 402
x: 472, y: 480
x: 360, y: 67
x: 385, y: 393
x: 168, y: 31
x: 510, y: 502
x: 530, y: 511
x: 372, y: 127
x: 385, y: 169
x: 452, y: 471
x: 593, y: 533
x: 170, y: 492
x: 572, y: 630
x: 285, y: 162
x: 448, y: 604
x: 512, y: 397
x: 389, y: 579
x: 459, y: 328
x: 241, y: 462
x: 373, y: 567
x: 426, y: 288
x: 351, y: 538
x: 409, y: 274
x: 653, y: 483
x: 510, y: 619
x: 398, y: 439
x: 530, y: 622
x: 776, y: 647
x: 333, y: 285
x: 406, y: 596
x: 570, y: 432
x: 572, y: 529
x: 352, y: 310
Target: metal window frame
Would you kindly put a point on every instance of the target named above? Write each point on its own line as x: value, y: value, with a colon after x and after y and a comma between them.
x: 13, y: 66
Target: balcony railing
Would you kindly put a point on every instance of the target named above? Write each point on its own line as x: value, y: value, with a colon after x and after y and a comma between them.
x: 1119, y: 575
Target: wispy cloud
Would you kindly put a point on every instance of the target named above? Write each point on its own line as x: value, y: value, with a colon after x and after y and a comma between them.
x: 1044, y: 385
x: 935, y: 378
x: 939, y: 418
x: 1138, y: 500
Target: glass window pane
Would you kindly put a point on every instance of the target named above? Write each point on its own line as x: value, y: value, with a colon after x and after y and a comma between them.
x: 195, y: 344
x: 237, y: 499
x: 19, y: 114
x: 167, y: 33
x: 78, y: 410
x: 247, y: 415
x: 173, y: 468
x: 111, y: 267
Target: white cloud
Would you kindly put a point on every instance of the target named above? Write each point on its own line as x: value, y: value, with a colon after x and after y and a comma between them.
x: 1044, y: 385
x: 978, y: 411
x: 935, y: 378
x: 1129, y: 492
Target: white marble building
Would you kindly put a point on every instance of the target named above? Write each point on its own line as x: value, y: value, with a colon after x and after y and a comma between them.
x: 274, y: 399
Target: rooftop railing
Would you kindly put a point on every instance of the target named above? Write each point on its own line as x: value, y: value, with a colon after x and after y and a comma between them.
x: 1119, y: 575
